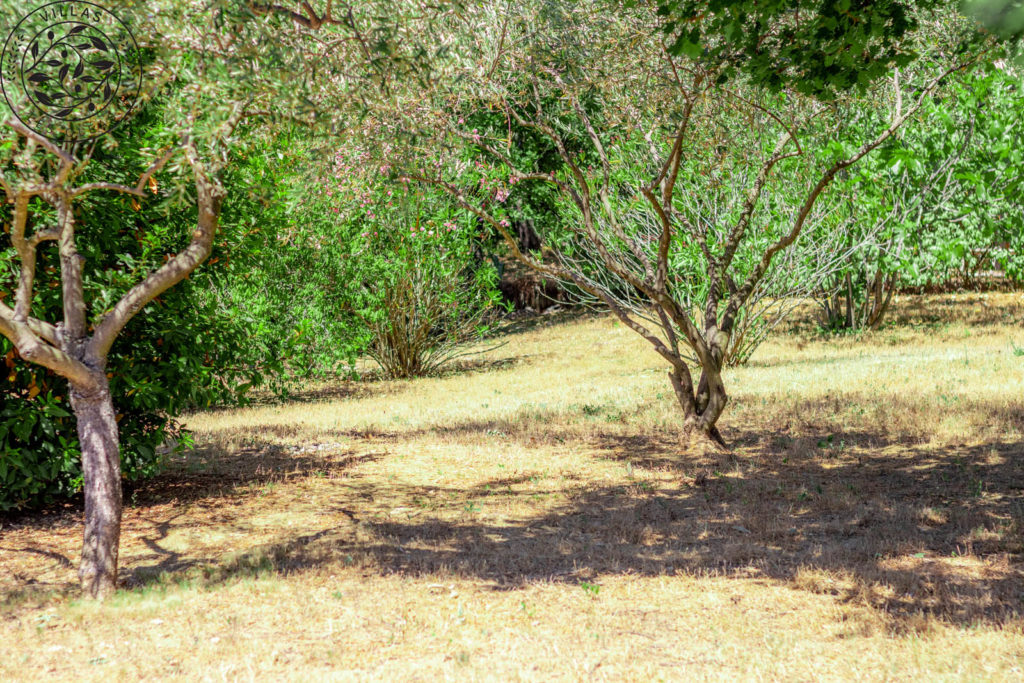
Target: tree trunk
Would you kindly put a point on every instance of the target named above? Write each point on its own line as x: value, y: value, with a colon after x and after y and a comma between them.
x: 701, y: 410
x: 711, y: 397
x: 101, y: 474
x: 702, y: 438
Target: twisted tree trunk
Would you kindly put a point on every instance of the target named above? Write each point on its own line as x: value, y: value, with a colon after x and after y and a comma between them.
x: 101, y: 473
x: 66, y: 347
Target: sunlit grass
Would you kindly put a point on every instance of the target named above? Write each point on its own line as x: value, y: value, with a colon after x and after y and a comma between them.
x: 535, y: 517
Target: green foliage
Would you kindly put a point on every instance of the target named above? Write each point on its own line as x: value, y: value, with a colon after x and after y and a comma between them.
x: 382, y: 268
x: 533, y: 206
x: 817, y: 48
x: 1003, y: 17
x: 188, y: 349
x: 38, y: 447
x: 423, y: 288
x: 534, y: 211
x: 940, y: 204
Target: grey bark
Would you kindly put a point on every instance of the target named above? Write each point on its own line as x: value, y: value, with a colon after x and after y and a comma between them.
x: 101, y: 472
x: 67, y: 349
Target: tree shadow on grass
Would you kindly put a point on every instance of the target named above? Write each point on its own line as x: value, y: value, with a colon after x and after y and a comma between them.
x: 206, y: 479
x: 337, y: 390
x: 465, y: 366
x: 206, y: 474
x: 877, y: 520
x: 522, y: 322
x: 904, y: 528
x: 372, y: 383
x: 933, y: 311
x: 972, y: 309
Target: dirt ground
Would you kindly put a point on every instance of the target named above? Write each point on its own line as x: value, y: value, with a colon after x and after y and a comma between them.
x: 533, y: 516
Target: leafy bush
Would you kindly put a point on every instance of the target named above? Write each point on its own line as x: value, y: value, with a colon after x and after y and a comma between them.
x: 939, y: 206
x: 188, y: 349
x: 399, y: 276
x: 419, y: 292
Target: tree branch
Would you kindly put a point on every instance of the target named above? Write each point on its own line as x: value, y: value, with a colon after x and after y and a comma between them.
x: 30, y: 339
x: 139, y: 189
x: 898, y: 120
x: 208, y: 196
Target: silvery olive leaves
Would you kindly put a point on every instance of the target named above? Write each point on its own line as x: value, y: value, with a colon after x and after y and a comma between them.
x: 71, y: 76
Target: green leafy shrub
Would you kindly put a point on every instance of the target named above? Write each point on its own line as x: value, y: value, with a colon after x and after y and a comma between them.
x: 399, y: 272
x: 190, y: 348
x: 417, y: 288
x: 937, y: 207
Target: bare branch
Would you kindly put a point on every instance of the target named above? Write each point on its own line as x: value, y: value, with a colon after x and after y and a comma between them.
x: 139, y: 189
x: 208, y: 196
x: 48, y: 145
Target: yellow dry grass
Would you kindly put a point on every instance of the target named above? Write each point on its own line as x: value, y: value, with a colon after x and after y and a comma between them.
x: 535, y: 518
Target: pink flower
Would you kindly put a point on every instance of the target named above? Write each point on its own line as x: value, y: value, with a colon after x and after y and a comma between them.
x: 501, y: 195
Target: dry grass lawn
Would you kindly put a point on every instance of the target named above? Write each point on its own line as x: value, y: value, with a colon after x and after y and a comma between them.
x: 534, y: 518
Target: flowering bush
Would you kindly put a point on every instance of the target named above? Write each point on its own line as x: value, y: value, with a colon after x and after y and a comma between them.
x: 402, y: 265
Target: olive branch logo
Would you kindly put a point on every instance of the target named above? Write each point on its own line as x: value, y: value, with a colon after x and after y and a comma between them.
x: 70, y: 70
x: 70, y: 76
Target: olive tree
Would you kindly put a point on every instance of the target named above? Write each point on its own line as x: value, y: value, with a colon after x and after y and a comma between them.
x: 220, y: 68
x: 73, y: 346
x: 682, y: 173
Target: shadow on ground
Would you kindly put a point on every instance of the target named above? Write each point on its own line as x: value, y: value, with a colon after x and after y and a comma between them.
x: 932, y: 312
x: 206, y: 481
x: 890, y: 522
x: 339, y: 390
x: 373, y: 382
x: 521, y: 321
x: 904, y: 528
